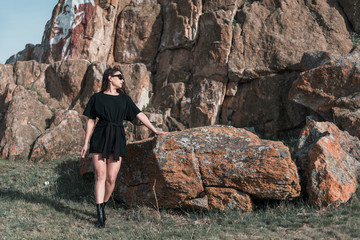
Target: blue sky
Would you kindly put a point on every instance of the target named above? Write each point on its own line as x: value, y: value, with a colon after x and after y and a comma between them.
x: 22, y: 22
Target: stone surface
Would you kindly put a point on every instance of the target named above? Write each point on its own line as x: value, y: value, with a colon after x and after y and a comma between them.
x: 213, y: 45
x: 137, y: 83
x: 5, y: 99
x: 351, y: 9
x: 138, y: 32
x: 206, y: 101
x: 92, y: 84
x: 263, y: 104
x: 181, y: 165
x: 6, y: 76
x: 141, y: 132
x: 26, y: 73
x: 42, y: 79
x: 173, y: 66
x: 69, y: 77
x: 181, y: 25
x: 227, y: 198
x: 81, y: 29
x: 315, y: 59
x: 31, y: 52
x: 273, y: 35
x: 64, y: 138
x: 170, y: 97
x: 331, y: 90
x: 25, y: 119
x: 329, y: 159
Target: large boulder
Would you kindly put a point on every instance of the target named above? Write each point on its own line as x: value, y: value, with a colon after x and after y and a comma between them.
x: 332, y: 91
x: 25, y: 119
x: 263, y: 104
x: 273, y: 35
x: 42, y: 79
x: 208, y: 167
x: 69, y: 76
x: 65, y: 137
x: 329, y: 160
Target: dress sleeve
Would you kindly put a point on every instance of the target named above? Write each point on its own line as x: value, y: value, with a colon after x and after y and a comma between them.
x: 132, y: 110
x: 90, y: 108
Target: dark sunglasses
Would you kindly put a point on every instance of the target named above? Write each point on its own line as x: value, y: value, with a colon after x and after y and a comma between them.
x: 119, y: 76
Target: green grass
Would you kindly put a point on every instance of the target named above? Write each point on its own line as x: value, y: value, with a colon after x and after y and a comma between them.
x: 64, y: 209
x: 355, y: 38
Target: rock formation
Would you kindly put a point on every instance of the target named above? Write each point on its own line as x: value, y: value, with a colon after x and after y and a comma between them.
x: 198, y: 167
x: 332, y: 91
x: 64, y: 137
x: 330, y: 162
x: 264, y: 65
x: 202, y: 54
x: 25, y: 119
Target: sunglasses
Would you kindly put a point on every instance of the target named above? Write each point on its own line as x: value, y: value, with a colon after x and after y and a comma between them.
x: 119, y: 76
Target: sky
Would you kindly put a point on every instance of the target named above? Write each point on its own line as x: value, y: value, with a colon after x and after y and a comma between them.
x: 22, y: 22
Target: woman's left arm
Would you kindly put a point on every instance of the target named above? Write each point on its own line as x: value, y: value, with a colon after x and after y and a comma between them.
x: 144, y: 119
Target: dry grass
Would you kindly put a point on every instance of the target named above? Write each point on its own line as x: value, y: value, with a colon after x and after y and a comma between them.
x: 64, y: 209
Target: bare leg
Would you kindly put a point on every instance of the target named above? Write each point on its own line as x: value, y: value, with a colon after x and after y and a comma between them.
x: 112, y: 170
x: 100, y: 177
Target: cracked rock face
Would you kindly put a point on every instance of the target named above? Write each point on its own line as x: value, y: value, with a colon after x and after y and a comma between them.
x: 209, y: 167
x: 64, y: 137
x: 332, y: 91
x: 25, y: 119
x: 351, y: 9
x: 329, y: 160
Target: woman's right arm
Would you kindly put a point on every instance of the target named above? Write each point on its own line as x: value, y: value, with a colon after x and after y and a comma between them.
x: 89, y: 130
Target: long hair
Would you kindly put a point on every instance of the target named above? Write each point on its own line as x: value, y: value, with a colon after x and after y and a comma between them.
x: 106, y: 83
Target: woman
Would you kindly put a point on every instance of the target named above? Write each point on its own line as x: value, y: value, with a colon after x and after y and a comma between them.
x: 107, y: 140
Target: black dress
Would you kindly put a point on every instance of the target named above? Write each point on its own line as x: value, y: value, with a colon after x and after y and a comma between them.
x: 109, y: 135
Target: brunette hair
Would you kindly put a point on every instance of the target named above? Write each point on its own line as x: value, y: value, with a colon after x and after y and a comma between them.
x: 105, y: 80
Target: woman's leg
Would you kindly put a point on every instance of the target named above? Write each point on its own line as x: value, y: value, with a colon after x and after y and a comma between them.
x: 100, y: 177
x: 112, y: 170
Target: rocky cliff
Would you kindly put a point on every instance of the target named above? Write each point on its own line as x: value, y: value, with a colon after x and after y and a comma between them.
x: 265, y: 65
x: 228, y: 62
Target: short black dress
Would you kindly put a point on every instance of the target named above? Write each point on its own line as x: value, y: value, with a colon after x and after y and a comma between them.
x: 109, y: 135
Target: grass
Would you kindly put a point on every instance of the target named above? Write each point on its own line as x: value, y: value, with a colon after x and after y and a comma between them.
x: 64, y: 209
x: 355, y: 38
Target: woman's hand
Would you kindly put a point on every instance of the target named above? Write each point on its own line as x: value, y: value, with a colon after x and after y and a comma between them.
x: 157, y: 132
x: 144, y: 119
x: 84, y: 150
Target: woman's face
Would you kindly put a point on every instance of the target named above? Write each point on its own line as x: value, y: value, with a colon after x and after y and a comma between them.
x: 117, y: 80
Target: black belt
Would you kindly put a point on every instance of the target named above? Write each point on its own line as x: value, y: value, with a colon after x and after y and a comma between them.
x: 113, y: 134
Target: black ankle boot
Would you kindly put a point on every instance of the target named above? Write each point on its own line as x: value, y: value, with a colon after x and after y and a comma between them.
x: 100, y: 222
x: 103, y: 211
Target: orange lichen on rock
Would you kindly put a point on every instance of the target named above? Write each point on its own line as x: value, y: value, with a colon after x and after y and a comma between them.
x: 331, y: 90
x: 228, y: 198
x: 329, y: 159
x: 206, y: 168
